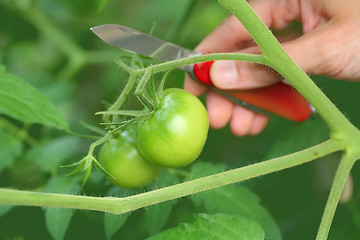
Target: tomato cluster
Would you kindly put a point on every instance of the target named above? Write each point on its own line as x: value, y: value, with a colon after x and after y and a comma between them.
x: 173, y: 136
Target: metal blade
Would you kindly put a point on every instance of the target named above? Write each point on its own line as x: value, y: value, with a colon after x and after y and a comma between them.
x: 138, y: 42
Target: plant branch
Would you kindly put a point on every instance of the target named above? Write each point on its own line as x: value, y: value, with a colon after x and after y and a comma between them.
x: 276, y: 57
x: 118, y: 103
x: 122, y: 205
x: 341, y: 175
x: 98, y: 142
x: 202, y: 58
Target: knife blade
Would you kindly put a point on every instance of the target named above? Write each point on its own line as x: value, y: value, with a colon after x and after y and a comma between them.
x: 280, y: 98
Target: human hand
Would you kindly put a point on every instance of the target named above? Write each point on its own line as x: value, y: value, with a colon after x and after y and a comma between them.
x: 329, y: 45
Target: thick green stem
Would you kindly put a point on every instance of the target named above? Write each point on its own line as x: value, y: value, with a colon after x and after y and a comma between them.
x: 341, y: 128
x: 122, y: 205
x: 27, y: 198
x: 202, y: 58
x: 275, y: 57
x: 342, y: 173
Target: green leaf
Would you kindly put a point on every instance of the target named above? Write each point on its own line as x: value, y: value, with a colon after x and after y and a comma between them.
x: 156, y: 216
x: 287, y: 143
x: 201, y: 169
x: 115, y: 191
x: 233, y: 199
x: 214, y: 227
x: 63, y: 184
x: 52, y: 154
x: 5, y: 209
x: 239, y: 201
x: 94, y: 129
x: 113, y: 222
x: 22, y: 101
x: 10, y: 149
x: 166, y: 178
x: 57, y: 220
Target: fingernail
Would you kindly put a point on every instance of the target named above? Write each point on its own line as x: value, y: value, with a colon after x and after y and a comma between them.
x: 224, y: 74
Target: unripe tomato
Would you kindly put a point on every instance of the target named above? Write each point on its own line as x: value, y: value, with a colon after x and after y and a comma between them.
x: 123, y: 161
x: 176, y: 133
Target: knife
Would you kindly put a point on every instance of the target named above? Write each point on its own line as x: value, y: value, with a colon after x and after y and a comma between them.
x: 279, y: 98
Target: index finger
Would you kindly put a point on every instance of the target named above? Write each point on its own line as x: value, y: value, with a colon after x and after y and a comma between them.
x: 229, y: 36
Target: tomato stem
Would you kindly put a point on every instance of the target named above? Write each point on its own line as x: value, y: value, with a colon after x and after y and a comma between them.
x: 124, y: 66
x: 341, y: 128
x: 135, y: 120
x: 121, y: 99
x: 126, y: 204
x: 273, y: 55
x: 140, y: 90
x: 162, y: 83
x: 341, y: 175
x: 161, y: 67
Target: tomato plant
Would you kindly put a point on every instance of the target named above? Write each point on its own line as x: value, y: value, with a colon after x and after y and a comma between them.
x: 47, y: 107
x: 120, y: 157
x: 175, y: 134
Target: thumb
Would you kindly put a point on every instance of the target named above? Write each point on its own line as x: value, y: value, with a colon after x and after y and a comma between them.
x: 230, y: 74
x: 311, y: 52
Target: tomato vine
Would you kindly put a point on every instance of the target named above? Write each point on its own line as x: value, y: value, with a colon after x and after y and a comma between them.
x: 343, y: 136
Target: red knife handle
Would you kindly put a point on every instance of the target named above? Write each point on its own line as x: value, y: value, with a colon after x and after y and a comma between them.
x: 279, y: 98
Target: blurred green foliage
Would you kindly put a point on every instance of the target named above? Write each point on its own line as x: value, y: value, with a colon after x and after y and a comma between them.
x: 48, y: 44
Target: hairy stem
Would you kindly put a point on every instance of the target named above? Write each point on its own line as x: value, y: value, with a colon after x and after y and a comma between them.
x: 341, y: 128
x: 97, y: 143
x: 118, y: 103
x: 122, y: 205
x: 342, y: 173
x: 275, y: 57
x: 202, y: 58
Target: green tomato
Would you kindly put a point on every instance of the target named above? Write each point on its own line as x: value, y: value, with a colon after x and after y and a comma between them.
x: 175, y: 134
x: 123, y: 161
